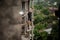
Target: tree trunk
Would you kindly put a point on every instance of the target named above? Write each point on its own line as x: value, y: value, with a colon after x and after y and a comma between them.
x: 10, y: 28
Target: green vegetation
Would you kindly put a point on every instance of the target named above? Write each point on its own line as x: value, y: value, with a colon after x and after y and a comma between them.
x: 42, y: 18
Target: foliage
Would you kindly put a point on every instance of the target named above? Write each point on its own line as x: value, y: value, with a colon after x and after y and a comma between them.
x: 40, y: 26
x: 45, y: 11
x: 54, y: 32
x: 40, y: 36
x: 38, y: 7
x: 38, y: 17
x: 41, y: 20
x: 44, y: 35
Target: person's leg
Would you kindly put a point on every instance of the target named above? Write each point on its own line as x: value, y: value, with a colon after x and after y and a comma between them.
x: 29, y: 23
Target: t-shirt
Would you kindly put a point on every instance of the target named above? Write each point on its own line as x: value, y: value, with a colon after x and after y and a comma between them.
x: 30, y: 16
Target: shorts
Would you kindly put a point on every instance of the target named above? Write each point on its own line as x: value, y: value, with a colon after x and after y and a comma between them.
x: 29, y: 19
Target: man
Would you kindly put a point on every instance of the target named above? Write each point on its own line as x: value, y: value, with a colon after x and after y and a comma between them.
x: 30, y: 18
x: 29, y: 22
